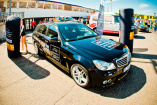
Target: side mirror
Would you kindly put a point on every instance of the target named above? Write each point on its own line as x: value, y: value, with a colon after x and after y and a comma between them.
x: 54, y: 41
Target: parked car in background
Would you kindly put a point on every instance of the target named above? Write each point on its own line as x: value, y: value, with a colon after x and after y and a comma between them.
x: 67, y: 19
x: 135, y: 29
x: 111, y: 23
x: 143, y: 28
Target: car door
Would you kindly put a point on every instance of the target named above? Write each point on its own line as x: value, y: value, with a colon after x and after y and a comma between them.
x: 41, y: 35
x: 52, y: 45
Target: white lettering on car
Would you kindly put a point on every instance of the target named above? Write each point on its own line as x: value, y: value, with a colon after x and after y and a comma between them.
x: 107, y: 44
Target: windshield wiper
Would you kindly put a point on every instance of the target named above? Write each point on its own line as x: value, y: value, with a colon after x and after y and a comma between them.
x: 81, y: 38
x: 87, y: 37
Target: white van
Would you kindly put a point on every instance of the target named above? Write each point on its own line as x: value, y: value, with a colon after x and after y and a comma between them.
x: 111, y: 22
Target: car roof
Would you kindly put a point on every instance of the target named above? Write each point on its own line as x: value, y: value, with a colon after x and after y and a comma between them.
x: 61, y: 23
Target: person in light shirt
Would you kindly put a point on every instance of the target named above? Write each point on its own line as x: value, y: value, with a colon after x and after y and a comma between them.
x: 136, y: 23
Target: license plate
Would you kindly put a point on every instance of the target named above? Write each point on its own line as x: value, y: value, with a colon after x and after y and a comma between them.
x: 126, y: 68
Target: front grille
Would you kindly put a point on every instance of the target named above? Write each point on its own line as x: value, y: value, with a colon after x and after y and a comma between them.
x: 122, y: 61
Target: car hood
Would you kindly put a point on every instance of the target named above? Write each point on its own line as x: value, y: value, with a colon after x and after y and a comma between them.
x: 97, y: 48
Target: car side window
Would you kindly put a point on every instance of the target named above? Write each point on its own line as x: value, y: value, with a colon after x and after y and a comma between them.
x: 52, y: 32
x: 37, y: 28
x: 42, y: 29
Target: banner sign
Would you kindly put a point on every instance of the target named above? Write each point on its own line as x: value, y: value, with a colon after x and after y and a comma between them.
x: 100, y: 22
x: 154, y: 15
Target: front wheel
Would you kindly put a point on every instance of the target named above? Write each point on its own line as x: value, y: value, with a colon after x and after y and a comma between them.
x: 80, y: 75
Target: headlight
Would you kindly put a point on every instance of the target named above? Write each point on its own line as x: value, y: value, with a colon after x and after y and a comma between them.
x: 102, y: 65
x: 127, y: 51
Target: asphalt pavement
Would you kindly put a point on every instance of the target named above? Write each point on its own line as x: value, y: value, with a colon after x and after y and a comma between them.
x: 34, y: 80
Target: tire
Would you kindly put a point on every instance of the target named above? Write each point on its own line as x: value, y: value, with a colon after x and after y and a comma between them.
x: 36, y: 48
x: 136, y: 31
x: 80, y: 75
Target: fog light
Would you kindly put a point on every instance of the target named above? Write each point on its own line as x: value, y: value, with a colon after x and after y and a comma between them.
x: 109, y: 81
x: 105, y: 82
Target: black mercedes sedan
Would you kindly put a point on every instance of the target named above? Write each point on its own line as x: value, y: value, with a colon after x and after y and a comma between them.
x: 88, y: 57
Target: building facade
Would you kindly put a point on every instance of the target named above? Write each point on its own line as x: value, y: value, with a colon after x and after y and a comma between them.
x: 40, y: 9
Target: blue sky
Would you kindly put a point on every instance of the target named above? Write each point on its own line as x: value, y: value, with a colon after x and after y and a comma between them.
x: 147, y: 7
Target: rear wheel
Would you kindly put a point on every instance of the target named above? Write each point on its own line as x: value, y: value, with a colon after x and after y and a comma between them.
x: 80, y: 75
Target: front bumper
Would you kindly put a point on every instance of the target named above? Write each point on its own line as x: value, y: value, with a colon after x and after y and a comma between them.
x: 98, y: 77
x: 143, y: 30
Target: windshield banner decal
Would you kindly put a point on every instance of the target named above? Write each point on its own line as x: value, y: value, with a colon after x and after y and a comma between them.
x: 100, y: 22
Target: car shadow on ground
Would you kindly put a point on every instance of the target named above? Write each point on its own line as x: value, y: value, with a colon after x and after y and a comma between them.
x: 111, y: 34
x: 33, y: 70
x: 56, y: 66
x: 129, y: 85
x: 144, y: 56
x: 2, y: 41
x: 140, y: 50
x: 139, y: 37
x: 153, y: 58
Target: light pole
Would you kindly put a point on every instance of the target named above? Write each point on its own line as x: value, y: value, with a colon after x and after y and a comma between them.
x: 10, y: 8
x: 111, y: 4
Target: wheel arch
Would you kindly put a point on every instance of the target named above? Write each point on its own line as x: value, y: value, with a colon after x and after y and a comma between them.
x: 82, y: 61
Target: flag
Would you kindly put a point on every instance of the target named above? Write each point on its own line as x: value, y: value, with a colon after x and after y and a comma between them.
x: 102, y: 3
x: 100, y: 22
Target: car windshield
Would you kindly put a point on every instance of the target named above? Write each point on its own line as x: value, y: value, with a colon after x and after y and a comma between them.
x: 71, y: 32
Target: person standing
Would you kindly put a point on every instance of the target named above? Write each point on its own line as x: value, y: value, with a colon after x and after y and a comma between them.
x: 155, y: 27
x: 136, y: 23
x: 151, y: 25
x: 23, y: 35
x: 41, y: 22
x: 82, y: 20
x: 144, y: 22
x: 32, y: 25
x: 0, y: 14
x: 62, y: 19
x: 35, y: 24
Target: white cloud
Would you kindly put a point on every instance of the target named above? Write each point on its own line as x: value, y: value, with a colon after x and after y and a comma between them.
x: 146, y: 12
x: 143, y: 5
x: 108, y: 1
